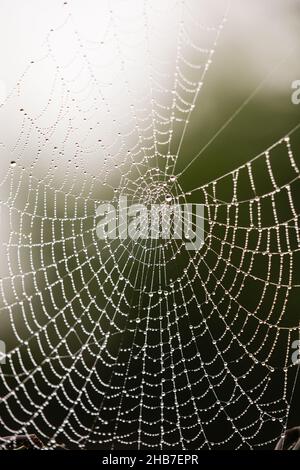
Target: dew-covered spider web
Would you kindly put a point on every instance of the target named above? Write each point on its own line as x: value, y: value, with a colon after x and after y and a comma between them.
x: 140, y: 343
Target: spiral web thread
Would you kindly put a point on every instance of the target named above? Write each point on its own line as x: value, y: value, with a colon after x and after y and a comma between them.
x: 122, y: 343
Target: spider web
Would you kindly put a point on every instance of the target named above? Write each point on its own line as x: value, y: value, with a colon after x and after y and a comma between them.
x: 138, y: 343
